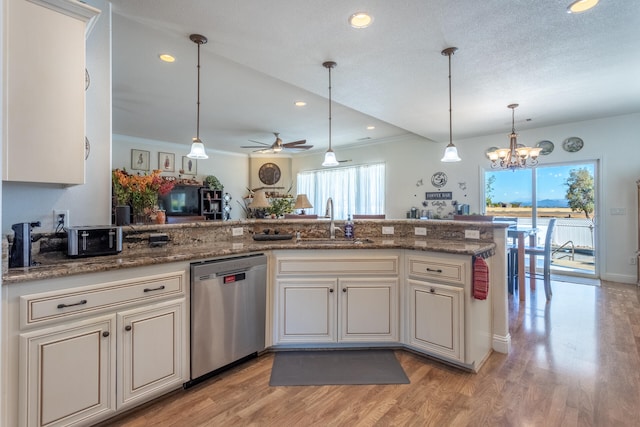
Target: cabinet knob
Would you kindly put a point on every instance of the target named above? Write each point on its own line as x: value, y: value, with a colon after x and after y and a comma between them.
x: 127, y: 328
x: 433, y: 291
x: 330, y: 289
x: 344, y: 289
x: 105, y: 334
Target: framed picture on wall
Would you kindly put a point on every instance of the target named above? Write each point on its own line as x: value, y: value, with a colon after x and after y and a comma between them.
x: 139, y: 160
x: 189, y: 166
x: 166, y: 162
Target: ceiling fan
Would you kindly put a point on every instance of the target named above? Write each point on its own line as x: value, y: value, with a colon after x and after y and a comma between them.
x: 278, y: 145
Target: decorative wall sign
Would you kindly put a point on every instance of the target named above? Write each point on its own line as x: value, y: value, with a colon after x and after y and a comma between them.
x: 439, y: 179
x: 439, y: 195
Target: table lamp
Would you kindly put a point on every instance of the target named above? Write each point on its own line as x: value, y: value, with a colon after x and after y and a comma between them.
x: 302, y: 203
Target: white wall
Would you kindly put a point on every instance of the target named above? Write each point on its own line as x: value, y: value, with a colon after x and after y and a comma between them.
x: 231, y: 169
x: 613, y: 142
x: 89, y: 204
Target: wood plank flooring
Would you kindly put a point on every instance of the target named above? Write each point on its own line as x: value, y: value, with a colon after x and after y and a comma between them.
x: 574, y: 362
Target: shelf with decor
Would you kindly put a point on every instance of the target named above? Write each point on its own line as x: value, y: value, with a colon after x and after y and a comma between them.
x: 211, y: 203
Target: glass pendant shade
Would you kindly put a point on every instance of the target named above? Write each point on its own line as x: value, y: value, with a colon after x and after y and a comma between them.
x: 330, y: 159
x: 450, y: 154
x: 197, y: 150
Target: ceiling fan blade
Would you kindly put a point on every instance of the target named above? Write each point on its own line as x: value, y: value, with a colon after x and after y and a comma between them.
x: 252, y: 146
x: 344, y: 161
x: 258, y: 142
x: 302, y: 141
x: 298, y: 147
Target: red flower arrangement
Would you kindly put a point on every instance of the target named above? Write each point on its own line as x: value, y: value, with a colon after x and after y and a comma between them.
x: 141, y: 191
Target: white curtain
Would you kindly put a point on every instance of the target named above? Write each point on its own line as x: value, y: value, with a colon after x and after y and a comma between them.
x: 354, y: 190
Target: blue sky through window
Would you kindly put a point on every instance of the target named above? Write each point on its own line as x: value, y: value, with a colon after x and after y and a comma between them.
x: 515, y: 186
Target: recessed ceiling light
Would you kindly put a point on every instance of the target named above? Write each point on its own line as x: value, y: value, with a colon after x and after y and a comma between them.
x: 580, y: 6
x: 360, y: 20
x: 371, y: 127
x: 300, y: 103
x: 166, y: 57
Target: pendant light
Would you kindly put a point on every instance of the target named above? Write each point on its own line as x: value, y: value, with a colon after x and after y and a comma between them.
x: 330, y: 156
x: 451, y: 152
x: 197, y: 147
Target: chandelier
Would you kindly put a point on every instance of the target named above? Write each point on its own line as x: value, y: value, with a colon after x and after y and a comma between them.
x: 517, y: 156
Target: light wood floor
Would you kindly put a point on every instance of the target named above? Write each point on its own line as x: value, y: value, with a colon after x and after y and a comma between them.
x: 574, y: 362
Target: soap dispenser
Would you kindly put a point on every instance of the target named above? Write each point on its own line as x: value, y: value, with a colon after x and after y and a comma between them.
x: 349, y: 232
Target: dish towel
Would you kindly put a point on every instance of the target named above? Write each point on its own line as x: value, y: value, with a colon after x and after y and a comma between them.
x: 480, y: 278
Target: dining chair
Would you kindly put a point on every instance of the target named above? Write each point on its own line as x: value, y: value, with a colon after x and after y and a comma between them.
x: 545, y: 251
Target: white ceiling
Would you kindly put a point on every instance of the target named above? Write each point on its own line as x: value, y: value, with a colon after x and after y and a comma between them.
x: 262, y: 56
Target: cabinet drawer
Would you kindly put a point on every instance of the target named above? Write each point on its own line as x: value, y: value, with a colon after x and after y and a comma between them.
x: 45, y: 307
x: 337, y: 266
x: 450, y: 270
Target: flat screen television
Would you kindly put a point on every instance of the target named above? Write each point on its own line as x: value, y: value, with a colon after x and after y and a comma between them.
x: 182, y: 200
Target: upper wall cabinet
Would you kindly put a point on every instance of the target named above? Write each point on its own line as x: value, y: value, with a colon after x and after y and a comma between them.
x: 44, y: 87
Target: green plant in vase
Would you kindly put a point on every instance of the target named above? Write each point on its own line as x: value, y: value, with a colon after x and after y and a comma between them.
x: 281, y: 206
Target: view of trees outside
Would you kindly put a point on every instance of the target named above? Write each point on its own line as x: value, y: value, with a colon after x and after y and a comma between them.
x: 562, y: 192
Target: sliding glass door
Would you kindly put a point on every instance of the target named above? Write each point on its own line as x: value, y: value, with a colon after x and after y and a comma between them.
x: 566, y: 192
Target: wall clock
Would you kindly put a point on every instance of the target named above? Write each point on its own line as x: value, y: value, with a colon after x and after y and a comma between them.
x: 269, y: 173
x: 439, y: 179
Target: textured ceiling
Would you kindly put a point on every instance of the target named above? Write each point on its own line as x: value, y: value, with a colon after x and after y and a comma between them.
x: 263, y: 56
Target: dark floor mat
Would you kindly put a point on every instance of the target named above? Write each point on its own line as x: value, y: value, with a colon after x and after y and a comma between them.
x: 336, y: 367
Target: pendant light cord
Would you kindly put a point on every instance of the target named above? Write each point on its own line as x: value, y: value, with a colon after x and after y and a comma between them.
x: 329, y: 108
x: 198, y: 101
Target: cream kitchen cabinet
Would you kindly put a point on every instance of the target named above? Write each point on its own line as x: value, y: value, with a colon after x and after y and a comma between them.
x: 444, y: 319
x: 68, y: 373
x: 436, y: 315
x: 44, y: 90
x: 332, y: 298
x: 89, y: 352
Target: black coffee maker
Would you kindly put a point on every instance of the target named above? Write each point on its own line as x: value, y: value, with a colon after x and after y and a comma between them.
x: 20, y: 252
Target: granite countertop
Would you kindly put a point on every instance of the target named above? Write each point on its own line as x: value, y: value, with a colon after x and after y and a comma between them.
x: 58, y: 264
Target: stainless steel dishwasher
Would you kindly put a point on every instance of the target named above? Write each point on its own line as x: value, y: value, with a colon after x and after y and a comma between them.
x: 228, y: 304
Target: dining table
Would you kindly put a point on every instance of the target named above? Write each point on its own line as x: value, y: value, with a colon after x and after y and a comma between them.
x: 518, y: 234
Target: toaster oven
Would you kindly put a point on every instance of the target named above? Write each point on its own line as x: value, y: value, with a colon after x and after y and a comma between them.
x: 94, y: 241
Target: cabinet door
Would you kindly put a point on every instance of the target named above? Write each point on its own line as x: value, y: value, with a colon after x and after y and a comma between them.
x: 436, y: 318
x: 45, y: 129
x: 152, y: 351
x: 368, y: 309
x: 68, y: 373
x: 306, y: 310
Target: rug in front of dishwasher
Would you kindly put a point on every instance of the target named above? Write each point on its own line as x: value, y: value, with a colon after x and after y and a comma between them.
x: 336, y: 367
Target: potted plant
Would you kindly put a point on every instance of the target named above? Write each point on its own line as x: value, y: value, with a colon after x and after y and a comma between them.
x: 213, y: 183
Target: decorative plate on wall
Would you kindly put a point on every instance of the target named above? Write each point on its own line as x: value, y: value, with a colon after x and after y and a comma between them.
x: 573, y: 144
x: 547, y: 147
x: 439, y: 179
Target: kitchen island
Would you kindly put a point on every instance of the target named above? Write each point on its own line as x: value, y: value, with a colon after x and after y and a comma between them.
x: 380, y: 273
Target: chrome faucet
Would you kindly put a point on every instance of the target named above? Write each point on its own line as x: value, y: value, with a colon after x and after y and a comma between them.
x: 329, y: 213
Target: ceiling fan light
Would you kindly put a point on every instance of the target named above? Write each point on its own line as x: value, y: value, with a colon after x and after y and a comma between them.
x: 451, y: 154
x: 330, y: 159
x: 197, y: 150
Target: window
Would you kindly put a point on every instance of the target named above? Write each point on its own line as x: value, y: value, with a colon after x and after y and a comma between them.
x: 354, y: 190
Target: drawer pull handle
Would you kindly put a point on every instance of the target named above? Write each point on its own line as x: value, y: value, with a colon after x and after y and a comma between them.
x: 434, y: 271
x: 105, y: 334
x: 159, y: 288
x: 61, y: 306
x: 127, y: 328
